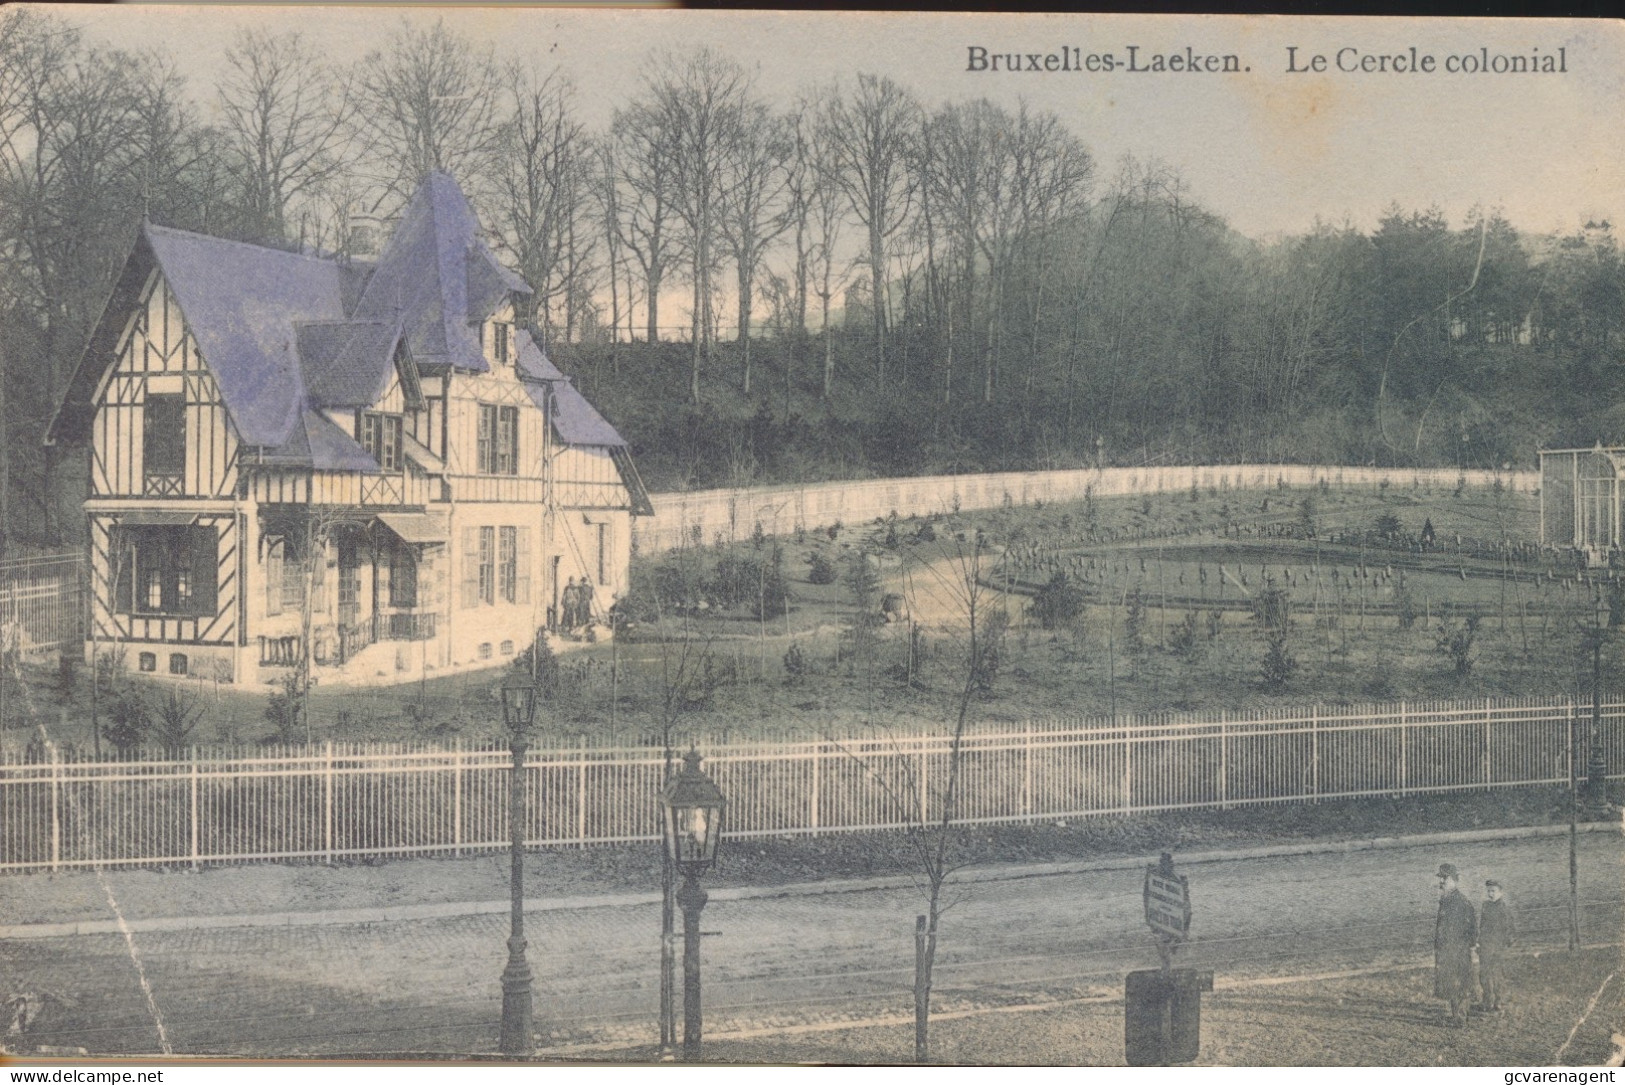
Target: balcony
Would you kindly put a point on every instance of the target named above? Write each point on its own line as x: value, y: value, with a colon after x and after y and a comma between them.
x: 411, y: 626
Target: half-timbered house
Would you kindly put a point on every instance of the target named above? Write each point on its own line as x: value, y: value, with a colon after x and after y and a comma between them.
x: 366, y: 464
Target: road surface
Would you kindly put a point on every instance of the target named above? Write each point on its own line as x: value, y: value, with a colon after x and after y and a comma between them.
x: 778, y: 962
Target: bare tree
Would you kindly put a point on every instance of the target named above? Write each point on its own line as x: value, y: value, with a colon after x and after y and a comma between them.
x: 699, y: 101
x: 539, y: 182
x: 870, y: 132
x: 428, y: 101
x: 286, y: 113
x: 752, y: 206
x: 828, y: 209
x: 643, y: 174
x: 71, y: 188
x: 926, y: 800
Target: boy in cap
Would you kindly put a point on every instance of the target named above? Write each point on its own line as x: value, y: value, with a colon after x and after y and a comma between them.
x: 1496, y: 930
x: 1454, y: 935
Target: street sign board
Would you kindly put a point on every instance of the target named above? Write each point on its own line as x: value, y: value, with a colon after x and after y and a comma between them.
x: 1167, y: 901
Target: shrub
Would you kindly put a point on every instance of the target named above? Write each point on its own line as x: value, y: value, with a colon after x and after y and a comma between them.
x: 795, y: 664
x: 1058, y: 603
x: 823, y: 569
x: 284, y: 708
x: 177, y: 717
x: 1183, y: 639
x: 129, y: 720
x: 1389, y: 527
x: 1456, y: 641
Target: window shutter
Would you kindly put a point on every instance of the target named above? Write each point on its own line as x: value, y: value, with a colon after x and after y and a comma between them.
x: 471, y: 567
x: 205, y: 548
x: 121, y: 566
x: 522, y: 548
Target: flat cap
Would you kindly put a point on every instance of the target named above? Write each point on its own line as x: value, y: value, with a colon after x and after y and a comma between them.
x: 1447, y: 870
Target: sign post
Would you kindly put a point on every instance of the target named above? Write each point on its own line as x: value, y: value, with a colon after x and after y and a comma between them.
x: 1167, y: 907
x: 1162, y: 1007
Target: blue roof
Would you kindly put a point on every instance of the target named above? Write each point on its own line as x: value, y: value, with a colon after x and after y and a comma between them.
x: 575, y: 420
x: 241, y: 304
x: 288, y: 335
x: 347, y: 364
x: 316, y: 442
x: 436, y: 276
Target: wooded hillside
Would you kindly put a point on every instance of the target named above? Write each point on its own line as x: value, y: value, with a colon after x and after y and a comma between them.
x: 708, y: 268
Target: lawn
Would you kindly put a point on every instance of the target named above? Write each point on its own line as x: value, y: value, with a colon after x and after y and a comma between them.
x: 1165, y: 589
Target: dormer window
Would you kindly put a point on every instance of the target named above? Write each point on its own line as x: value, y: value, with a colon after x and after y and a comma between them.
x: 381, y: 437
x: 500, y: 342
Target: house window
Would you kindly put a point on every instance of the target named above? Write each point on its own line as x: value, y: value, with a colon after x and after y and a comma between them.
x: 507, y: 563
x: 488, y: 564
x: 177, y: 663
x: 496, y: 565
x: 166, y: 570
x: 148, y: 662
x: 163, y: 445
x: 498, y: 440
x: 403, y: 576
x: 499, y: 345
x: 381, y: 437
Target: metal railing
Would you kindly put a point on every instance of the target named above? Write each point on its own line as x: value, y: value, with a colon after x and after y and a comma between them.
x: 339, y: 799
x: 42, y: 602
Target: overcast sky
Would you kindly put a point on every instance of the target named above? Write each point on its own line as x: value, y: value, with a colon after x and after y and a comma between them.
x: 1268, y: 149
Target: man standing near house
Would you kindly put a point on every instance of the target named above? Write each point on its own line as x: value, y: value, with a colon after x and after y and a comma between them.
x: 1496, y: 931
x: 568, y: 601
x: 584, y: 601
x: 1454, y: 935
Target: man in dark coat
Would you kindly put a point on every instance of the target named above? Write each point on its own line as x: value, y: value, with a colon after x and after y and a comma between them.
x: 1496, y: 930
x: 1454, y: 935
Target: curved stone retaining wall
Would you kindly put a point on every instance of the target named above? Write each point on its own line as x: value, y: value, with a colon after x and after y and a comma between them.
x: 733, y: 514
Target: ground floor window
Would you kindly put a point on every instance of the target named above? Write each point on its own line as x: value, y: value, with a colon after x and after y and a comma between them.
x: 496, y: 565
x: 165, y: 570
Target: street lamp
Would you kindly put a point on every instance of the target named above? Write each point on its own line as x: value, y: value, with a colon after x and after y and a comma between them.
x: 518, y: 710
x: 691, y: 821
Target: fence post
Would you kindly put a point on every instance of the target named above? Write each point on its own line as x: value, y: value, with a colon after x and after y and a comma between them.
x: 457, y: 798
x: 194, y: 807
x: 1488, y: 776
x: 56, y: 808
x: 581, y: 790
x: 1224, y: 763
x: 1128, y: 772
x: 1404, y: 730
x: 327, y: 802
x: 1314, y: 752
x: 814, y: 798
x: 925, y: 782
x: 1027, y: 775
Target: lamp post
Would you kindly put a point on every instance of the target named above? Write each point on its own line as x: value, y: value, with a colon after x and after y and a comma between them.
x: 518, y: 710
x: 691, y: 821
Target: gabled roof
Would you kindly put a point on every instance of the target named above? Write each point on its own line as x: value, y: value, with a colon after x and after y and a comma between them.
x: 436, y: 276
x: 347, y: 363
x: 241, y: 303
x: 315, y: 441
x: 575, y: 420
x: 285, y: 333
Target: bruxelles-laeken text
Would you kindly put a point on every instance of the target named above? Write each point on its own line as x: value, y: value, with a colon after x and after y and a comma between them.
x: 1072, y: 58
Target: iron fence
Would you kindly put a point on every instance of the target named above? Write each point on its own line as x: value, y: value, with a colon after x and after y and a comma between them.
x: 41, y: 603
x: 337, y: 800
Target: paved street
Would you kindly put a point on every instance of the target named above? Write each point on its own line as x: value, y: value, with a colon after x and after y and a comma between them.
x: 786, y: 962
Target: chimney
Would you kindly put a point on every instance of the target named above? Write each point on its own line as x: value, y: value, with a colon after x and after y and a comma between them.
x: 366, y: 236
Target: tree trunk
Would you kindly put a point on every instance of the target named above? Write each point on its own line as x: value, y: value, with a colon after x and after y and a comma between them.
x: 877, y: 274
x: 654, y: 276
